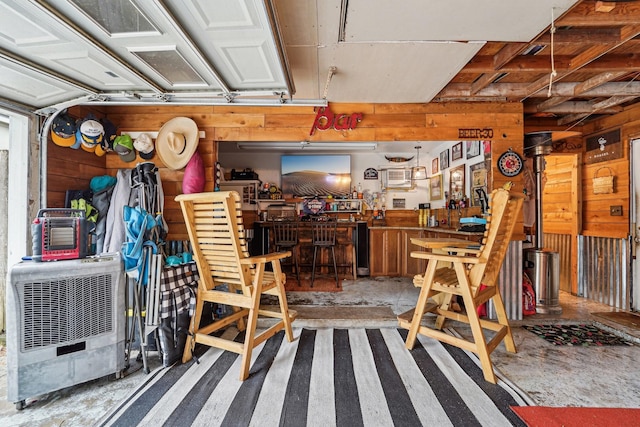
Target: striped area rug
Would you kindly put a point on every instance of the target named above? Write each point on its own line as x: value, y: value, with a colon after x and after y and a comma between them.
x: 326, y: 377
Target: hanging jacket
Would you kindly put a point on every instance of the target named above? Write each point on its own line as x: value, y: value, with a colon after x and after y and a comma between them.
x: 114, y: 235
x: 101, y: 201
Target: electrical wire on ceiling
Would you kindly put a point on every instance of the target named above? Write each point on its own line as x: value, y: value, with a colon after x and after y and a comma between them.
x: 332, y: 71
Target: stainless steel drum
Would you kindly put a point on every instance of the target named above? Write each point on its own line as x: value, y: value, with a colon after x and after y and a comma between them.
x: 543, y: 268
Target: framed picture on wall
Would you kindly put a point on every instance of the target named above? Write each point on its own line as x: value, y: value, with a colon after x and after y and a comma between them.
x: 478, y: 181
x: 434, y: 166
x: 456, y: 183
x: 435, y: 187
x: 473, y: 149
x: 456, y: 152
x: 444, y: 159
x: 486, y: 147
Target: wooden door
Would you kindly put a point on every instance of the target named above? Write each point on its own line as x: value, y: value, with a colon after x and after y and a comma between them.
x: 562, y: 212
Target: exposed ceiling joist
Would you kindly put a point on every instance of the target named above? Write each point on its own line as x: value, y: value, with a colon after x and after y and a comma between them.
x: 584, y: 15
x: 512, y: 90
x: 262, y: 52
x: 596, y: 81
x: 570, y: 107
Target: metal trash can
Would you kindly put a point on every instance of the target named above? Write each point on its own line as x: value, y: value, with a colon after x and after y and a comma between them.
x: 543, y: 268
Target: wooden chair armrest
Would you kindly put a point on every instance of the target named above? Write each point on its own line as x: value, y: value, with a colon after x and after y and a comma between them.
x: 461, y: 250
x: 446, y: 257
x: 262, y: 259
x: 437, y: 243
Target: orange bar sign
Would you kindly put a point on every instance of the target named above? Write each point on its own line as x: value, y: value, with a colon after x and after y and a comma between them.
x: 325, y: 119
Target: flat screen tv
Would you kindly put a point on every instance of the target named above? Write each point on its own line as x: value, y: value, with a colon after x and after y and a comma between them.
x: 316, y: 175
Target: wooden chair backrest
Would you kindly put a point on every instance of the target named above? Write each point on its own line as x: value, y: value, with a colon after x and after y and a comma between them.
x: 217, y: 234
x: 323, y: 233
x: 285, y: 232
x: 503, y: 216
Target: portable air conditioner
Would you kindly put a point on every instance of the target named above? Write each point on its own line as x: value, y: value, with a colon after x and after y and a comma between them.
x: 398, y: 178
x: 65, y: 324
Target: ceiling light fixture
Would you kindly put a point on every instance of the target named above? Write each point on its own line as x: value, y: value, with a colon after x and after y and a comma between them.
x: 418, y: 172
x: 307, y: 146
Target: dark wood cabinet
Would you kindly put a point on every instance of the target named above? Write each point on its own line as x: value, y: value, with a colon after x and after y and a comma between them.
x: 390, y: 249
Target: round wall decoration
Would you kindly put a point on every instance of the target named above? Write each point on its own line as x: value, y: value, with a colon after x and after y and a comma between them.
x: 510, y: 163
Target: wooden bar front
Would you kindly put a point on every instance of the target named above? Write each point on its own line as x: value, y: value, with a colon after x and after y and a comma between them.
x: 262, y: 243
x: 390, y: 248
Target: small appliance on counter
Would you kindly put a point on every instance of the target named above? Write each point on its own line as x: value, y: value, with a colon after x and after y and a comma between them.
x: 244, y: 175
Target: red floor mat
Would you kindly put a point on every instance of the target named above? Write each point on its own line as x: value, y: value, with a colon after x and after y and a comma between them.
x: 546, y: 416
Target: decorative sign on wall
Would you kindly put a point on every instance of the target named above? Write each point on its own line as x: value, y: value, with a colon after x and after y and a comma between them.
x: 325, y: 119
x: 370, y: 173
x: 486, y: 133
x: 399, y: 203
x: 603, y: 147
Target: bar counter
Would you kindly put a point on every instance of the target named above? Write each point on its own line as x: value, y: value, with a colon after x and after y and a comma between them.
x: 347, y: 241
x: 387, y: 252
x: 390, y: 247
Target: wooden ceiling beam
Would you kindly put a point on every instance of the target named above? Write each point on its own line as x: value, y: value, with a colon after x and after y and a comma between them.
x: 552, y: 102
x: 570, y: 107
x: 597, y: 108
x: 482, y: 82
x: 541, y: 64
x: 570, y: 118
x: 518, y: 90
x: 614, y: 100
x: 506, y: 54
x: 585, y: 15
x: 598, y: 80
x: 585, y: 57
x: 580, y: 35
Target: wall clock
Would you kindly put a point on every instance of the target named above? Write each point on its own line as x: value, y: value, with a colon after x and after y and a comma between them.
x: 510, y: 163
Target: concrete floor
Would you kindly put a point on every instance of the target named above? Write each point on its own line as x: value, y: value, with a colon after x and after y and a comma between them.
x: 551, y: 375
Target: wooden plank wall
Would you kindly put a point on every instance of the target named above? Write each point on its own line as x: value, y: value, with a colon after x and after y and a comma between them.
x: 561, y: 207
x: 380, y: 122
x: 69, y: 169
x: 597, y: 220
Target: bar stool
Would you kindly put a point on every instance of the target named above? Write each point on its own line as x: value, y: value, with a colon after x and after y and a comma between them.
x: 323, y: 235
x: 285, y: 237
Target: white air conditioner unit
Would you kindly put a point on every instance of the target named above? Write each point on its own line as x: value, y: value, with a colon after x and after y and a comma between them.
x: 65, y: 324
x: 397, y: 178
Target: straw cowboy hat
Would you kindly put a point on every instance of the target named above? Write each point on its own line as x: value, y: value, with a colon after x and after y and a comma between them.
x: 177, y: 141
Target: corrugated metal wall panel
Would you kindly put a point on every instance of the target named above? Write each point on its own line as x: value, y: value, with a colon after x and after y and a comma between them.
x: 604, y: 270
x: 510, y: 283
x: 561, y: 243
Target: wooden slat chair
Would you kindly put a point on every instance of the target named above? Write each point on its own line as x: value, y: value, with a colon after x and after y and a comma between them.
x: 456, y: 268
x: 285, y: 236
x: 217, y: 235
